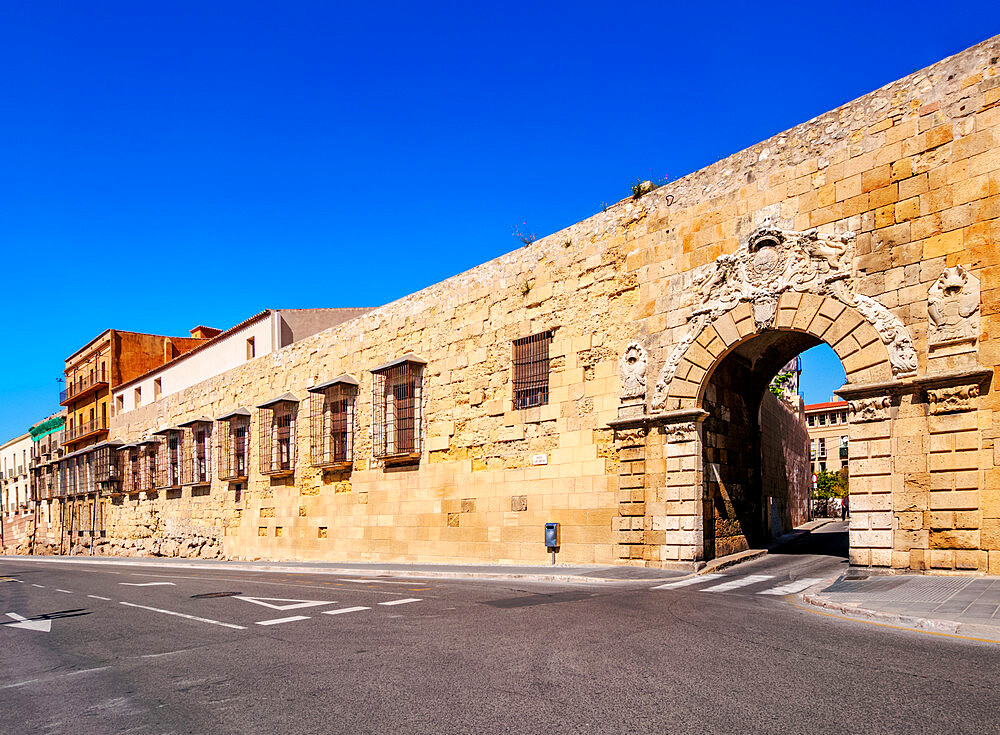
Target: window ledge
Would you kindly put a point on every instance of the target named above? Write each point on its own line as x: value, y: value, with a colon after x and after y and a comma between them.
x: 334, y: 466
x: 278, y: 473
x: 400, y: 459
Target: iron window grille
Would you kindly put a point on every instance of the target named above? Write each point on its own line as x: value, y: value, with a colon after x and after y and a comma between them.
x: 397, y: 398
x: 130, y: 463
x: 234, y: 439
x: 531, y: 370
x: 277, y: 435
x: 169, y: 459
x: 331, y: 422
x: 107, y: 470
x: 197, y: 449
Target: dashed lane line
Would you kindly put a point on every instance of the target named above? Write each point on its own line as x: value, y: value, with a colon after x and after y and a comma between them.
x: 183, y: 615
x: 738, y: 582
x: 68, y: 592
x: 401, y: 602
x: 39, y: 586
x: 686, y: 582
x: 343, y: 610
x: 279, y: 621
x: 98, y: 597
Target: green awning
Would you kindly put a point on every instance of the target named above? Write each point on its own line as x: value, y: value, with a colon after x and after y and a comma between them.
x: 46, y: 427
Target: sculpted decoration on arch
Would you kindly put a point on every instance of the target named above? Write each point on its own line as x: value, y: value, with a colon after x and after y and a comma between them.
x: 773, y: 262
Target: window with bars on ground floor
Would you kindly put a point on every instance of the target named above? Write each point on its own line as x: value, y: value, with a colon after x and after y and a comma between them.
x: 397, y: 403
x: 531, y: 370
x: 197, y: 448
x: 331, y: 422
x: 278, y: 418
x: 169, y: 458
x: 107, y: 470
x: 234, y: 438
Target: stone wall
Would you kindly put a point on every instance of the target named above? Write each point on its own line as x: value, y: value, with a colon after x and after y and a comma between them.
x: 900, y: 278
x: 785, y: 474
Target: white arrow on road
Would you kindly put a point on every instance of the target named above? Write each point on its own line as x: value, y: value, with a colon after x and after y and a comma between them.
x: 293, y: 604
x: 147, y: 584
x: 43, y: 625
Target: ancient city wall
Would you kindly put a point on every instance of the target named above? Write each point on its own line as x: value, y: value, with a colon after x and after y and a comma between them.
x: 901, y: 279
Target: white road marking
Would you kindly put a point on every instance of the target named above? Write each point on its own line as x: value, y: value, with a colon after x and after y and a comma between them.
x: 792, y: 587
x: 98, y: 597
x: 43, y: 625
x: 294, y: 604
x: 147, y: 584
x: 686, y: 582
x: 50, y: 678
x: 40, y: 586
x: 343, y: 610
x: 182, y: 615
x: 68, y: 592
x: 279, y: 621
x: 401, y: 602
x: 738, y: 582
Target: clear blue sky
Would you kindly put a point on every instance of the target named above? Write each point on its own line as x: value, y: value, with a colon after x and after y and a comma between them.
x: 172, y: 164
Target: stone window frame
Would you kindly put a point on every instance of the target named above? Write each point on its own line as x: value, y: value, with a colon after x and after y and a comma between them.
x: 278, y: 435
x: 197, y: 463
x: 229, y: 468
x: 332, y: 412
x: 398, y: 418
x: 169, y: 458
x: 531, y: 370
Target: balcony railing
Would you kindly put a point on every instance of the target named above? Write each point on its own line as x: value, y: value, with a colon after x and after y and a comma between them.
x: 85, y: 429
x: 82, y: 385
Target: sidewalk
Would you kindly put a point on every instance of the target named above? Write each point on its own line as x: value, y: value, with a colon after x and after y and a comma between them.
x: 958, y: 605
x: 539, y: 573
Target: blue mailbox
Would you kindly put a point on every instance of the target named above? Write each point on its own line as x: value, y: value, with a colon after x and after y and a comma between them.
x: 551, y: 535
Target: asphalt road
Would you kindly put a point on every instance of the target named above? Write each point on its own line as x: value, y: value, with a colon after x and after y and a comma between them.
x: 468, y: 657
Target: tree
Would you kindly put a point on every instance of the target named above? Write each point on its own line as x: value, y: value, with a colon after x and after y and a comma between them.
x: 831, y: 484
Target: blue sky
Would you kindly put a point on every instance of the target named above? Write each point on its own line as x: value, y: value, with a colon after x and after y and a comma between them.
x: 172, y: 164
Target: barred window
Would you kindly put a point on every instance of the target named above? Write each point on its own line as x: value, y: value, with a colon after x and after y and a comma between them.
x: 397, y: 408
x: 331, y: 422
x: 277, y: 435
x: 107, y: 471
x: 234, y: 437
x: 131, y: 468
x: 531, y: 370
x: 197, y: 449
x: 169, y: 459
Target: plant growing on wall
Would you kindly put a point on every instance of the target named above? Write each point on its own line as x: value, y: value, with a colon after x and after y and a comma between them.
x: 779, y: 383
x: 522, y: 233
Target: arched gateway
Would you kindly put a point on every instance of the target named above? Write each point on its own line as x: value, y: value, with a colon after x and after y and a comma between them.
x: 752, y: 311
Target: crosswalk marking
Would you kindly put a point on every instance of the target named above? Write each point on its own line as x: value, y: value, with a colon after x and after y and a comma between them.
x: 792, y: 587
x: 401, y: 602
x: 739, y: 582
x: 343, y: 610
x: 687, y: 582
x: 279, y: 621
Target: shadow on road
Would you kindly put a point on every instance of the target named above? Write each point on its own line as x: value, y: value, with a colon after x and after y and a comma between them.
x: 828, y: 540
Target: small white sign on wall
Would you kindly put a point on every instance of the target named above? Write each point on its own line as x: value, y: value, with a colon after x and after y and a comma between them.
x: 539, y: 459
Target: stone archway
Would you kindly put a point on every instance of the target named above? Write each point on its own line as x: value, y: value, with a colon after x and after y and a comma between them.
x: 779, y: 294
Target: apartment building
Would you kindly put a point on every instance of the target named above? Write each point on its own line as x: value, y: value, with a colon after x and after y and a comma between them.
x: 15, y: 489
x: 827, y: 424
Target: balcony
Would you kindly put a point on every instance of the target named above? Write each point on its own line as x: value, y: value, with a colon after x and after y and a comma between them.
x: 84, y: 430
x: 81, y: 387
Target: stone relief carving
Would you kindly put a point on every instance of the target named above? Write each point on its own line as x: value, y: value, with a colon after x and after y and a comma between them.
x: 633, y: 371
x: 635, y: 435
x: 870, y: 409
x: 676, y: 433
x: 774, y: 262
x: 953, y: 307
x: 953, y: 399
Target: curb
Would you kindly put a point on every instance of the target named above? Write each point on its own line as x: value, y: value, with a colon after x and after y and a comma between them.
x: 340, y: 571
x: 931, y: 625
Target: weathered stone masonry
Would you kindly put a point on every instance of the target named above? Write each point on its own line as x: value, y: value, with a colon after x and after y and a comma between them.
x: 873, y: 228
